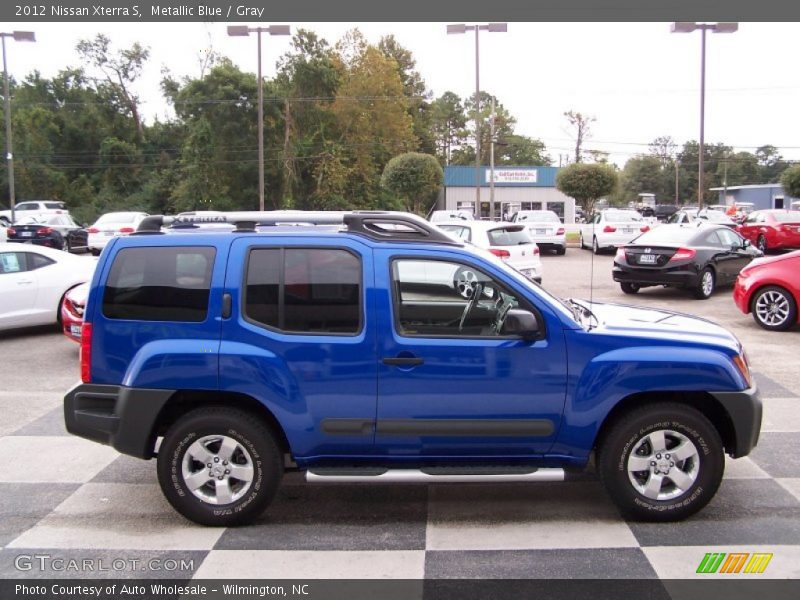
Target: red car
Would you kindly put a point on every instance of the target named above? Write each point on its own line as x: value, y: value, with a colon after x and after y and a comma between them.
x: 772, y: 229
x: 770, y: 289
x: 72, y: 311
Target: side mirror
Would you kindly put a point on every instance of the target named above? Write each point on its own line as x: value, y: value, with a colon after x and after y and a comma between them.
x: 746, y: 244
x: 522, y: 323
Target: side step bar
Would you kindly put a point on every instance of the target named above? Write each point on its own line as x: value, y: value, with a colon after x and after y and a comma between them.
x: 432, y: 475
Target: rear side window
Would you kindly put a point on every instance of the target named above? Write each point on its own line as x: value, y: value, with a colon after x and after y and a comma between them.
x: 304, y: 290
x: 159, y: 284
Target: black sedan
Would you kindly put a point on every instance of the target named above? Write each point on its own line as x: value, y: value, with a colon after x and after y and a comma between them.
x: 693, y: 257
x: 54, y: 231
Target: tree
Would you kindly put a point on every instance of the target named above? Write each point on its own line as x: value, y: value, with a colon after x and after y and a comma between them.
x: 663, y: 148
x: 771, y: 164
x: 643, y: 174
x: 520, y: 150
x: 448, y: 125
x: 414, y: 177
x: 121, y: 70
x: 580, y: 125
x: 587, y: 183
x: 790, y: 180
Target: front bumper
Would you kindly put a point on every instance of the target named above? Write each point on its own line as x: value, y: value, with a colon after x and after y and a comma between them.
x: 744, y: 410
x: 117, y: 416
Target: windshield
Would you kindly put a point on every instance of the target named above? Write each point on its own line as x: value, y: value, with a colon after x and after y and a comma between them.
x: 790, y: 216
x: 667, y: 234
x: 540, y: 216
x: 508, y: 236
x: 618, y: 216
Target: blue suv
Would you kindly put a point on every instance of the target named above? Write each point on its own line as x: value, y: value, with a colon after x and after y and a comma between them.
x: 373, y: 347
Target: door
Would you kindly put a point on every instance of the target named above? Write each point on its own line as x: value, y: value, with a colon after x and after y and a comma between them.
x: 450, y: 382
x: 299, y: 338
x: 19, y: 287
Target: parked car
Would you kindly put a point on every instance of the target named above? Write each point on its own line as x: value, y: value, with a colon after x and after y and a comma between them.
x: 439, y: 216
x: 3, y: 232
x: 72, y: 308
x: 512, y: 243
x: 33, y: 281
x: 663, y: 212
x: 32, y: 208
x: 772, y: 229
x: 545, y: 228
x: 54, y: 231
x: 111, y: 225
x: 706, y: 215
x: 769, y: 288
x: 692, y: 257
x: 611, y: 227
x: 231, y: 356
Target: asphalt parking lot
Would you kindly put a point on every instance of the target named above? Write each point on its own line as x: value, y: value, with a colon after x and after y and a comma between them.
x: 64, y: 497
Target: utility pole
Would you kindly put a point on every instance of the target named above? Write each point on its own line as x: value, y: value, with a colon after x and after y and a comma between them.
x: 491, y: 162
x: 677, y: 176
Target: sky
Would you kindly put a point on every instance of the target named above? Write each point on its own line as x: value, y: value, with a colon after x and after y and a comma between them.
x: 637, y: 80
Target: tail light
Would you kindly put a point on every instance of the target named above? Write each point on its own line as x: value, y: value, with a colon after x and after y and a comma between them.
x: 86, y: 352
x: 621, y: 256
x: 645, y: 228
x: 536, y: 250
x: 683, y: 254
x: 11, y: 231
x: 126, y: 230
x: 609, y: 229
x: 501, y: 253
x: 44, y: 231
x: 93, y: 230
x: 561, y: 231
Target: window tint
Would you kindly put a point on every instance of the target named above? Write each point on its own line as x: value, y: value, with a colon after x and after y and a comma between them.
x: 55, y: 205
x: 432, y: 296
x: 509, y: 236
x: 729, y: 238
x: 27, y: 206
x: 37, y: 261
x: 159, y: 284
x: 304, y: 290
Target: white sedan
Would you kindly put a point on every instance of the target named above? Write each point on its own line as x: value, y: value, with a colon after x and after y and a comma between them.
x: 111, y: 225
x: 33, y: 281
x: 612, y: 227
x: 509, y: 241
x: 545, y: 227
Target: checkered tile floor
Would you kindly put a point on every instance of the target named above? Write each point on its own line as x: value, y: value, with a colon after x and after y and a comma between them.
x: 69, y: 498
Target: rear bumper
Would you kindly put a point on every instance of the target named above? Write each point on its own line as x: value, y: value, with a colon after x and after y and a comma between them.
x: 674, y: 277
x: 744, y: 410
x: 117, y: 416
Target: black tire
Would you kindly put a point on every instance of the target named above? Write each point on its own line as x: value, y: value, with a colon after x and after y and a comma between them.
x: 595, y: 246
x: 629, y: 288
x: 706, y: 284
x: 628, y: 439
x: 561, y: 250
x: 583, y: 246
x: 67, y: 245
x: 94, y: 251
x: 761, y: 243
x: 774, y: 308
x: 256, y: 449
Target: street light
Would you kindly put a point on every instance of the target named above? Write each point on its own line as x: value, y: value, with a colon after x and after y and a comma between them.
x: 19, y: 36
x: 244, y: 30
x: 684, y: 27
x: 491, y: 28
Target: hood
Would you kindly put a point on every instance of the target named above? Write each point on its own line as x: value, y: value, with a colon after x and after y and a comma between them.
x: 658, y: 324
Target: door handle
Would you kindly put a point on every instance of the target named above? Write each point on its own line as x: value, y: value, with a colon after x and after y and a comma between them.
x: 24, y: 281
x: 403, y: 361
x: 226, y: 305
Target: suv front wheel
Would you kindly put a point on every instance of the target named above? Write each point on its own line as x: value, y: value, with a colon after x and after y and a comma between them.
x: 219, y: 466
x: 661, y: 462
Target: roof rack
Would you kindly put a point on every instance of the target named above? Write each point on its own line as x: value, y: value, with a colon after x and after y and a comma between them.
x: 386, y: 226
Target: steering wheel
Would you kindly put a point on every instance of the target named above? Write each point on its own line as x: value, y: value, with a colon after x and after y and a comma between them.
x: 477, y: 290
x: 502, y: 308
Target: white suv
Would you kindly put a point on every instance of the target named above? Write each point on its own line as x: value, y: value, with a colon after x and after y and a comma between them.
x: 545, y: 228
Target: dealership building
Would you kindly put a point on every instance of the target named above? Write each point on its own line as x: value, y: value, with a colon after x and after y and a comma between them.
x: 768, y: 195
x: 515, y: 188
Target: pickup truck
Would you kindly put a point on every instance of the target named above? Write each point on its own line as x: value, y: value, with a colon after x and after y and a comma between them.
x: 373, y: 347
x: 32, y: 208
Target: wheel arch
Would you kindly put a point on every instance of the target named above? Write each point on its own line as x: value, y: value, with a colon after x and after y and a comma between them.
x: 184, y: 401
x: 705, y: 403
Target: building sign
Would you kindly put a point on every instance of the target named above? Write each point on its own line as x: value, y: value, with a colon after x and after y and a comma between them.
x: 512, y: 176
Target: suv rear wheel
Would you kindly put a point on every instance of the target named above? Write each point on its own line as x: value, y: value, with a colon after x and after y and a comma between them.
x: 219, y: 466
x: 661, y: 462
